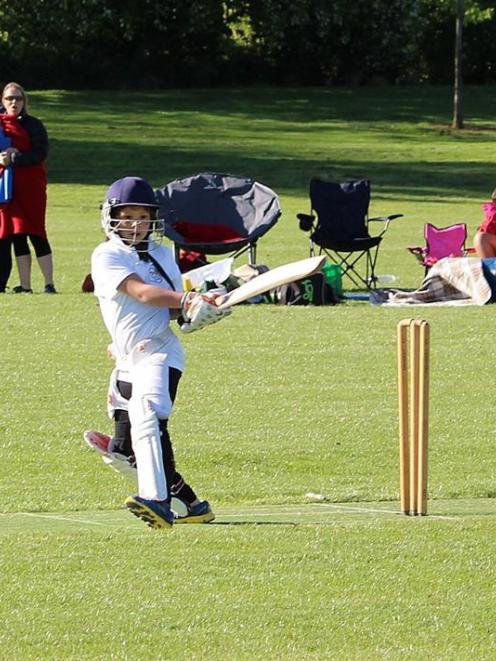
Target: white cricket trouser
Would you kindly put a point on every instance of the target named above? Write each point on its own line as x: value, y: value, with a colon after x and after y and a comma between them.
x: 150, y: 401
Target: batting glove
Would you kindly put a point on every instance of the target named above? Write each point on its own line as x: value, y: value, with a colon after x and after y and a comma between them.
x: 200, y: 310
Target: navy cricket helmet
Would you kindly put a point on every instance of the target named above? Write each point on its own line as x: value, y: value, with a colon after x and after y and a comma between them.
x: 129, y: 191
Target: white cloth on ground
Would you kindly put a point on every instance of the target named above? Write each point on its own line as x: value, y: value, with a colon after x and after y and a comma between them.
x: 451, y: 281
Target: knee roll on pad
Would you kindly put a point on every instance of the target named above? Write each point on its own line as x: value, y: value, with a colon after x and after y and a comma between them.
x: 144, y: 421
x: 159, y: 403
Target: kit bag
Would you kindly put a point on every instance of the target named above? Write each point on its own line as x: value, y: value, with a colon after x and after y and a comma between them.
x: 313, y: 290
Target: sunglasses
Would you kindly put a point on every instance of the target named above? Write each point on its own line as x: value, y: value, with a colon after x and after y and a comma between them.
x: 13, y: 98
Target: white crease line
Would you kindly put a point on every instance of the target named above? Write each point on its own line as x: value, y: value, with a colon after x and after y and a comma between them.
x: 61, y: 518
x: 280, y: 512
x: 342, y: 509
x: 379, y: 511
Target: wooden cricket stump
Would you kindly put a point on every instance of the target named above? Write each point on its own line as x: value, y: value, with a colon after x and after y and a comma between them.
x: 413, y: 406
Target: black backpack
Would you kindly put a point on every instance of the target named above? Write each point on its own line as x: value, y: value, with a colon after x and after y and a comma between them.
x: 313, y: 290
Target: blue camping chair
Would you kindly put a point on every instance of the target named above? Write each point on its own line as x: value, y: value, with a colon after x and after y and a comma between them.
x: 216, y: 213
x: 338, y: 224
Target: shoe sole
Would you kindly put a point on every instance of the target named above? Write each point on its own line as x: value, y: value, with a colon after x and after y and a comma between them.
x: 146, y: 514
x: 200, y: 518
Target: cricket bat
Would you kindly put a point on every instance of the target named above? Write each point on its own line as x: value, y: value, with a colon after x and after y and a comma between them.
x: 281, y: 275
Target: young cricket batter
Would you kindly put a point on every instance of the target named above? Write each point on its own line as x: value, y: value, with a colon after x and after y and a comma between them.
x: 139, y: 289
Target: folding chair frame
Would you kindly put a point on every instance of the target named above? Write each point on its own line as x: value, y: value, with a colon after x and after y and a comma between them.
x: 422, y: 252
x: 346, y: 258
x: 214, y: 213
x: 250, y: 247
x: 346, y: 261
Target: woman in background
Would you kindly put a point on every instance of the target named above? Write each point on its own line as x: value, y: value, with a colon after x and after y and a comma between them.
x: 23, y: 217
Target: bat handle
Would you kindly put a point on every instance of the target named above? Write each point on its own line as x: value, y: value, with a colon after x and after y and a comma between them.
x: 220, y: 300
x: 219, y: 295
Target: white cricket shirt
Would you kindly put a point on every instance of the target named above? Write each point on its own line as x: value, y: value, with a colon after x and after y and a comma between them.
x: 127, y: 320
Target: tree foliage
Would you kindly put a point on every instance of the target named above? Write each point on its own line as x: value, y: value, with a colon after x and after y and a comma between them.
x: 113, y: 42
x: 319, y: 41
x: 117, y: 43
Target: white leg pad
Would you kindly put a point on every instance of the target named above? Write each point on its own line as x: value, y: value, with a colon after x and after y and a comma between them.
x: 145, y: 437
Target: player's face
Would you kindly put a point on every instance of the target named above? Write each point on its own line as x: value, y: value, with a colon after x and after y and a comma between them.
x: 134, y: 223
x: 13, y: 100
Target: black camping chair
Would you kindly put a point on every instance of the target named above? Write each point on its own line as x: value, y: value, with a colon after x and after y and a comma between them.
x: 216, y: 213
x: 339, y: 225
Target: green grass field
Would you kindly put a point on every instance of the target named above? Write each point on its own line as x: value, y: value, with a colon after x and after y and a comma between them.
x: 276, y: 403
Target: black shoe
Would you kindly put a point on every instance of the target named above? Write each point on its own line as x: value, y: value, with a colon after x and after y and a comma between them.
x: 50, y: 289
x: 20, y: 290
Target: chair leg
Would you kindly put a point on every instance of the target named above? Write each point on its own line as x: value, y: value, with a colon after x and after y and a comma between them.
x: 347, y: 262
x: 356, y: 278
x: 371, y: 263
x: 253, y: 253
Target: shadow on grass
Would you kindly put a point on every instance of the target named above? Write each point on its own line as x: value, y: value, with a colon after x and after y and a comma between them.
x: 304, y: 104
x: 267, y: 523
x: 282, y: 137
x: 70, y: 161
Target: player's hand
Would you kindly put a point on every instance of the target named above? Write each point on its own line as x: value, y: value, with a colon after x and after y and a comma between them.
x: 200, y: 310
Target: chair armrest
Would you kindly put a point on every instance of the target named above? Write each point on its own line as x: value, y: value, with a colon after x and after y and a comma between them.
x: 419, y: 252
x: 386, y: 219
x: 305, y: 221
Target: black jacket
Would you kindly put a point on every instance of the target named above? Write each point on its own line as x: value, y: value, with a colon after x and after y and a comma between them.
x: 39, y: 141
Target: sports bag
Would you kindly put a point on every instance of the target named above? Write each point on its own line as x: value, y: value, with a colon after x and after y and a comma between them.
x: 313, y: 290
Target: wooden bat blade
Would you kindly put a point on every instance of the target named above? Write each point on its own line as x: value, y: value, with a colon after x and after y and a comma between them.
x: 281, y: 275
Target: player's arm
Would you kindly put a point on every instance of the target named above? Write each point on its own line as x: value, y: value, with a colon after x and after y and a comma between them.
x: 197, y: 310
x: 142, y: 292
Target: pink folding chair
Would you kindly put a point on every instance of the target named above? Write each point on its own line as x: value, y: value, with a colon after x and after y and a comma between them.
x: 441, y: 242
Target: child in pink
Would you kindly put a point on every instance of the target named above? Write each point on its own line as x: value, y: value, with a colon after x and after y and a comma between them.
x: 485, y: 238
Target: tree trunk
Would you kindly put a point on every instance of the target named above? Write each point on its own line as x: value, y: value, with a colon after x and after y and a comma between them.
x: 458, y: 87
